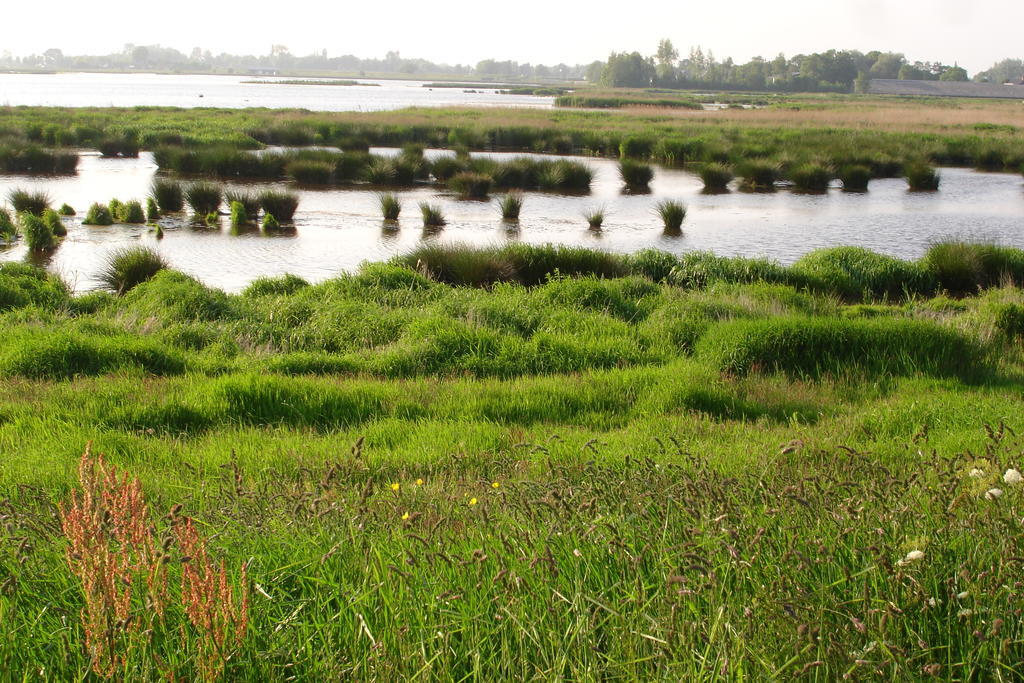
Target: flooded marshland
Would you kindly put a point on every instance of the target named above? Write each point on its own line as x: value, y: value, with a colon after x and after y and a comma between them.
x: 339, y: 227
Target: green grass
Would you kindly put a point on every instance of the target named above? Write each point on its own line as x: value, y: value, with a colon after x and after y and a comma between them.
x: 52, y: 220
x: 169, y: 195
x: 203, y: 197
x: 811, y: 178
x: 671, y: 213
x: 597, y: 467
x: 759, y: 175
x: 594, y: 217
x: 432, y: 215
x: 33, y: 202
x: 98, y: 214
x: 249, y: 200
x: 129, y: 267
x: 281, y: 205
x: 921, y: 177
x: 635, y: 175
x: 390, y: 206
x: 855, y: 178
x: 510, y: 205
x: 37, y: 233
x: 716, y: 177
x: 470, y: 185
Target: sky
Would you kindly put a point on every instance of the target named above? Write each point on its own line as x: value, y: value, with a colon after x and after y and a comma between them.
x: 974, y: 34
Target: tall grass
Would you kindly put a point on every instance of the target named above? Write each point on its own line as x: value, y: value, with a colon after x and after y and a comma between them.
x: 8, y: 228
x: 203, y: 198
x: 510, y: 205
x: 716, y: 177
x: 635, y: 175
x: 855, y: 178
x: 921, y: 177
x: 310, y: 172
x: 129, y: 267
x: 98, y: 214
x: 432, y: 215
x: 390, y: 207
x: 811, y: 177
x: 33, y: 202
x: 168, y: 194
x: 470, y: 185
x: 37, y: 234
x: 249, y: 200
x: 52, y: 220
x: 759, y: 175
x: 671, y: 213
x: 594, y: 217
x: 281, y: 205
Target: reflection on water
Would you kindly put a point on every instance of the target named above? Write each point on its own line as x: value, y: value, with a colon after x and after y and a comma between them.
x: 338, y: 228
x: 232, y: 92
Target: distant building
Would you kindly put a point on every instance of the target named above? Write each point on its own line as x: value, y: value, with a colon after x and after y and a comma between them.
x: 262, y: 71
x: 892, y: 86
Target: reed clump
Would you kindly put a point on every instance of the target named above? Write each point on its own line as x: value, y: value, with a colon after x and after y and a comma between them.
x: 432, y: 215
x: 281, y: 205
x: 470, y: 185
x: 594, y: 217
x: 129, y: 267
x: 203, y: 198
x: 855, y: 178
x: 38, y: 235
x: 921, y: 177
x: 390, y: 206
x: 716, y: 177
x: 671, y: 213
x: 29, y: 201
x: 169, y: 195
x: 98, y: 214
x: 510, y: 206
x: 635, y: 175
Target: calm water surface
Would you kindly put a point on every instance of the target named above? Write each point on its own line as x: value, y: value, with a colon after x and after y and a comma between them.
x: 146, y: 89
x: 338, y: 228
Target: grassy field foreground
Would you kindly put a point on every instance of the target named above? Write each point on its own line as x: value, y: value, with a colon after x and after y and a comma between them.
x: 633, y: 467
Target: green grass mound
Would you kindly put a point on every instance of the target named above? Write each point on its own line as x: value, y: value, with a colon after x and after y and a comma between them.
x: 23, y: 285
x: 40, y: 354
x: 855, y: 273
x: 817, y: 347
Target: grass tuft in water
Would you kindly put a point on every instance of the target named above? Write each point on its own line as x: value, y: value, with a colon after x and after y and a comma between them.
x: 432, y: 215
x: 38, y: 236
x: 716, y: 177
x: 249, y: 200
x: 635, y: 175
x: 470, y: 185
x: 98, y: 214
x: 168, y: 194
x: 152, y: 210
x: 33, y: 202
x: 921, y: 177
x: 204, y: 198
x: 855, y: 178
x: 510, y: 206
x: 66, y: 210
x: 390, y: 207
x: 52, y: 220
x: 811, y: 178
x: 129, y: 267
x: 672, y: 213
x: 281, y: 204
x: 594, y: 217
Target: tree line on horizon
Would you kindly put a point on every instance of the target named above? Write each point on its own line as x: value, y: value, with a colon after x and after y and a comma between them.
x: 829, y: 71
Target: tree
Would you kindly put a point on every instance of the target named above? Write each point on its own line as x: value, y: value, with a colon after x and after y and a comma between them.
x: 667, y: 54
x: 954, y: 73
x: 887, y: 65
x: 140, y: 55
x: 628, y: 70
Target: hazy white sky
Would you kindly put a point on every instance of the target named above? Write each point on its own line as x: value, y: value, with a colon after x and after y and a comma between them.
x: 539, y: 31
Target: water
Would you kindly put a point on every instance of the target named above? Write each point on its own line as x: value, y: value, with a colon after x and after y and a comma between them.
x: 338, y: 228
x: 147, y: 89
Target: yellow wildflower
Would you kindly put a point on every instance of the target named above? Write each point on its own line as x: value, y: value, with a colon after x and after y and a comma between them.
x: 405, y: 515
x: 472, y: 501
x: 419, y: 482
x: 395, y: 486
x: 495, y: 484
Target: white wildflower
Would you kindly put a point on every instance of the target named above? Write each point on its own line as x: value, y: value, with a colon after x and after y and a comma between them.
x: 964, y: 613
x: 1013, y: 476
x: 976, y: 473
x: 932, y: 602
x: 992, y: 494
x: 963, y: 595
x: 912, y: 556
